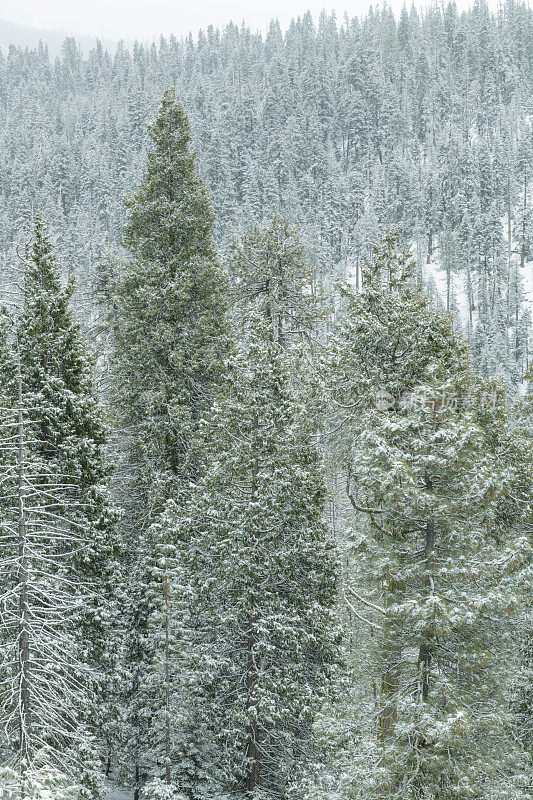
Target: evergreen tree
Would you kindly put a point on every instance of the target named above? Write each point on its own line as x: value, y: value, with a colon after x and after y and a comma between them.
x: 169, y: 310
x: 427, y: 480
x: 518, y: 511
x: 263, y: 586
x: 168, y: 319
x: 57, y: 541
x: 269, y: 266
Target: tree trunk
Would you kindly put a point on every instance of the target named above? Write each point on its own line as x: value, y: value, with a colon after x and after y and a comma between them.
x: 166, y: 593
x: 523, y: 248
x: 509, y: 226
x: 137, y: 789
x: 470, y: 299
x: 24, y: 637
x: 390, y: 675
x: 253, y: 752
x: 517, y: 315
x: 425, y: 652
x: 509, y: 251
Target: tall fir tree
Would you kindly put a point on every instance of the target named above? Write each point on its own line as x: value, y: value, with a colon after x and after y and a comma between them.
x: 262, y: 589
x: 169, y: 310
x: 426, y: 477
x: 58, y: 598
x: 171, y: 339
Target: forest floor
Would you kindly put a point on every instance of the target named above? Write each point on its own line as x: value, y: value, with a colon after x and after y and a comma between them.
x: 117, y: 793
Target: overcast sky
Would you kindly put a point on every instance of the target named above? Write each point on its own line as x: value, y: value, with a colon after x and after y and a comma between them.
x: 146, y: 18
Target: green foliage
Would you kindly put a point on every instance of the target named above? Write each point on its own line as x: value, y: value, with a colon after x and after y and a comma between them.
x: 261, y: 568
x: 170, y: 341
x: 392, y: 336
x: 169, y: 310
x: 157, y: 790
x: 428, y: 480
x: 59, y: 564
x: 41, y: 783
x: 170, y: 218
x: 270, y: 272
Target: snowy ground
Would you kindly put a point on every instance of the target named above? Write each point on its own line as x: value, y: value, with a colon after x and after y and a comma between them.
x: 116, y: 793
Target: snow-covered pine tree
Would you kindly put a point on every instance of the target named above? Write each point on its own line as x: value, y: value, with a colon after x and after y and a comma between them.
x: 169, y: 311
x: 426, y: 476
x: 263, y: 570
x: 518, y: 509
x: 269, y: 266
x: 170, y: 341
x: 57, y: 542
x: 431, y: 484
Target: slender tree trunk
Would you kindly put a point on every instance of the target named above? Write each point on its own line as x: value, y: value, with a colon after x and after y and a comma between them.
x: 137, y: 789
x: 425, y: 652
x: 24, y: 637
x: 390, y: 675
x: 517, y: 311
x: 166, y: 593
x: 523, y: 248
x: 509, y: 249
x: 430, y: 232
x: 268, y: 309
x: 281, y: 339
x: 509, y: 225
x: 253, y: 751
x: 470, y: 299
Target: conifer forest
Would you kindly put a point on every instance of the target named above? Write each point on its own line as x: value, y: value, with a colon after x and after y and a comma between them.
x: 266, y: 412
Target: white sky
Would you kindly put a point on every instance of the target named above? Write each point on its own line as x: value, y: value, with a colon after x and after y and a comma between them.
x: 145, y: 18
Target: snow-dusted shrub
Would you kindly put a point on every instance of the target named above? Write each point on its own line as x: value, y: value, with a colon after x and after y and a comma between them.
x: 158, y: 790
x: 43, y: 783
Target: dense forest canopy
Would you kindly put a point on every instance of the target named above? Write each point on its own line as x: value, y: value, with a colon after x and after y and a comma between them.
x: 423, y: 123
x: 266, y: 415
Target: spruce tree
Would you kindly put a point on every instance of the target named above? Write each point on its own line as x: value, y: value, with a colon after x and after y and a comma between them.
x: 57, y: 542
x: 426, y: 478
x: 170, y: 336
x: 263, y: 579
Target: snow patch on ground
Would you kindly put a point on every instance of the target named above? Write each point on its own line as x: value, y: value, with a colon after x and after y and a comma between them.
x: 117, y: 793
x: 526, y: 273
x: 434, y: 273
